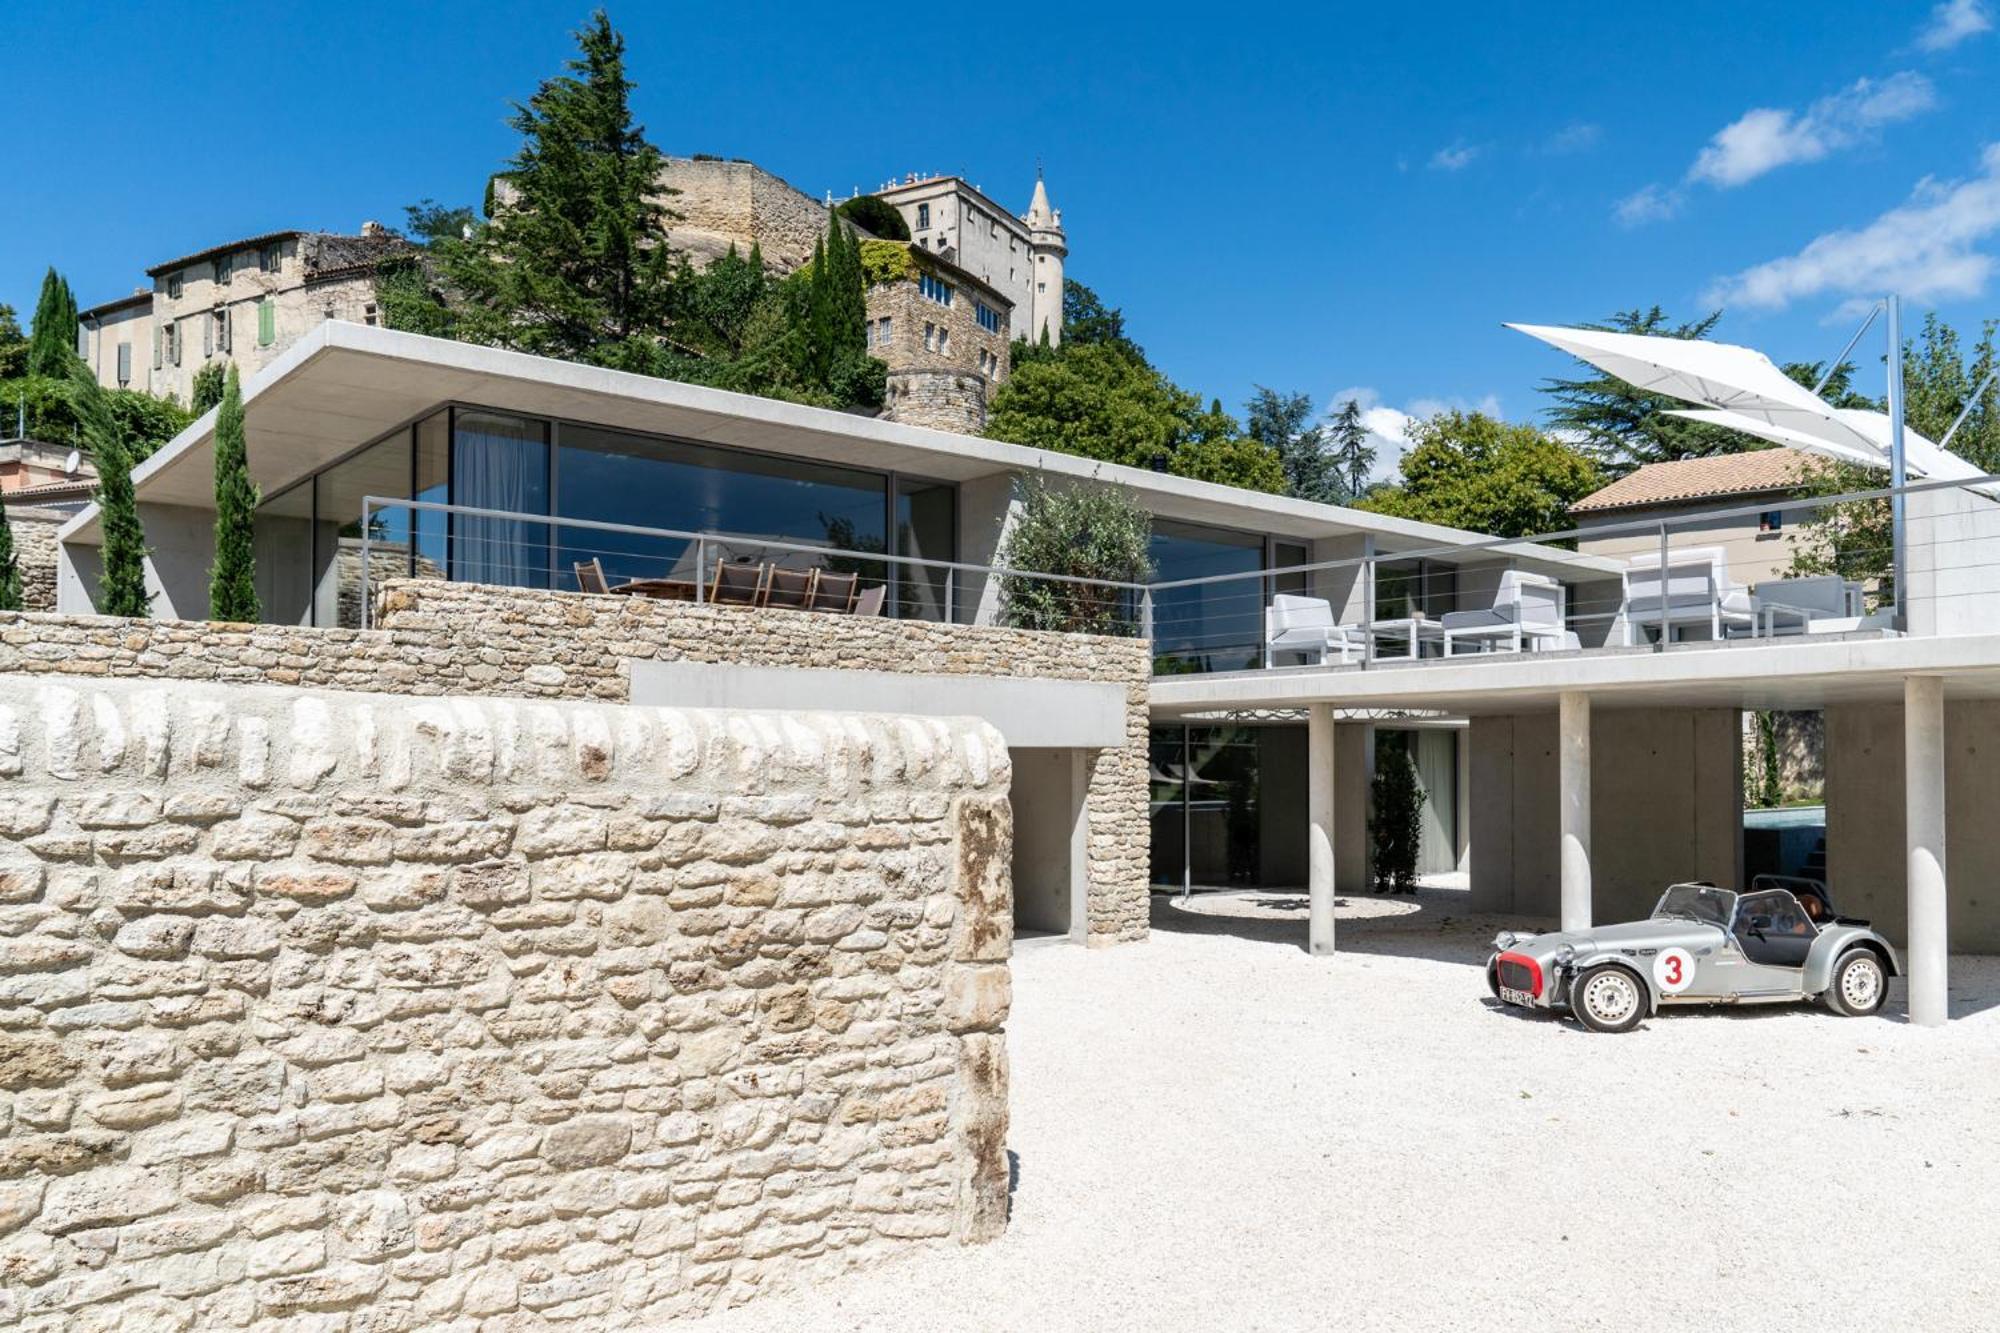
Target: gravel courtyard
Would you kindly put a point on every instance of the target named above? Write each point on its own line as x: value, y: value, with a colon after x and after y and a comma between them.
x: 1215, y: 1131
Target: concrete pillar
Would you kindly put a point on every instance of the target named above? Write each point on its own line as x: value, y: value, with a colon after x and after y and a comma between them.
x: 1319, y: 826
x: 1573, y: 797
x: 1923, y: 823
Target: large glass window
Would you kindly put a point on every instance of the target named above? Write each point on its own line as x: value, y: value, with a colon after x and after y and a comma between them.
x: 1406, y: 588
x: 1211, y: 626
x: 381, y: 470
x: 1228, y: 806
x: 500, y: 463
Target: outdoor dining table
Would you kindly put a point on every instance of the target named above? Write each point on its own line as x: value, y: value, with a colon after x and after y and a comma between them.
x: 666, y: 590
x: 1416, y: 632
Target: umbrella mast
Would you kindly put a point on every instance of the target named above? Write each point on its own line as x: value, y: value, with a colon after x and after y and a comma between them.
x: 1898, y: 471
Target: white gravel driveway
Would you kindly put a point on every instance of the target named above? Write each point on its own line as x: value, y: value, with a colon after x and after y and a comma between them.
x: 1215, y: 1131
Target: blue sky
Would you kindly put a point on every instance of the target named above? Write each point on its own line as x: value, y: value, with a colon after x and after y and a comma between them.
x: 1325, y: 198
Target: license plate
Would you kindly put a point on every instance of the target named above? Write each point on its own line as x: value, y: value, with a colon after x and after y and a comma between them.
x: 1512, y: 996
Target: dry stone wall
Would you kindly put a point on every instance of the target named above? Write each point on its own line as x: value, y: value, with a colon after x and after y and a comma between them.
x: 35, y: 554
x: 461, y: 638
x: 340, y: 1011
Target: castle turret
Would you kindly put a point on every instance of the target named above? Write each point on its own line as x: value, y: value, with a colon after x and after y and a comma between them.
x: 1048, y: 247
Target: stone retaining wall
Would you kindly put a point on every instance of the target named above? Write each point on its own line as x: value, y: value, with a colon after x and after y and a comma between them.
x: 359, y: 1012
x: 35, y: 554
x: 442, y: 637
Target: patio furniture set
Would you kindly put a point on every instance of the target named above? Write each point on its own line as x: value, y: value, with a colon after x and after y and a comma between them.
x: 1528, y: 614
x: 742, y: 583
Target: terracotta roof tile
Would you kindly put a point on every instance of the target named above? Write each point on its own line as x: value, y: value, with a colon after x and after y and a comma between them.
x: 1758, y: 470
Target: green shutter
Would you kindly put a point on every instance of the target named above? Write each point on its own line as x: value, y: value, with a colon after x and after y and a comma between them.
x: 267, y: 323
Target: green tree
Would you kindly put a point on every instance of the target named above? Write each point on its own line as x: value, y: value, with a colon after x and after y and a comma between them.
x: 207, y: 389
x: 1468, y: 470
x: 1283, y: 422
x: 1231, y: 460
x: 1625, y: 426
x: 1085, y: 532
x: 121, y: 587
x: 10, y: 566
x: 1353, y: 455
x: 1396, y: 824
x: 875, y: 216
x: 232, y: 582
x: 1088, y: 320
x: 13, y: 344
x: 52, y: 344
x: 574, y: 260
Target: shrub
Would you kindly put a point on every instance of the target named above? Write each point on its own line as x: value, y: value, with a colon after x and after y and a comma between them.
x: 1086, y: 532
x: 876, y: 217
x: 1398, y: 824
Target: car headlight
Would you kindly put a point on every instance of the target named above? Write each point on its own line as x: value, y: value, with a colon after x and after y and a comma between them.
x: 1505, y: 939
x: 1565, y: 955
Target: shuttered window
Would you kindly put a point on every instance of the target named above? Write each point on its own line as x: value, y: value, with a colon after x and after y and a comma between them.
x: 224, y: 322
x: 156, y: 347
x: 267, y: 322
x: 124, y: 364
x: 208, y: 337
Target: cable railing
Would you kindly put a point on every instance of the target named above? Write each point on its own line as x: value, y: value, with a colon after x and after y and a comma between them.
x: 1774, y: 567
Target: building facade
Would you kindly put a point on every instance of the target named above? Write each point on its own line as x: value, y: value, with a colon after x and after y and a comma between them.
x: 243, y: 303
x: 1757, y: 545
x: 1020, y: 257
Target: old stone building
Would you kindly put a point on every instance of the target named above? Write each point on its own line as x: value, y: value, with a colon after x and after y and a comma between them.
x: 1019, y: 257
x: 943, y: 334
x: 244, y: 302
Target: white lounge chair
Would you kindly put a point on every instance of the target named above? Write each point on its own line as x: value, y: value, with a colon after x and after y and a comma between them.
x: 1527, y: 613
x: 1697, y: 590
x: 1294, y: 624
x: 1829, y: 603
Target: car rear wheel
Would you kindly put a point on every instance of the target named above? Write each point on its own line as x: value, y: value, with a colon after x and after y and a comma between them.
x: 1860, y: 984
x: 1608, y: 998
x: 1493, y: 977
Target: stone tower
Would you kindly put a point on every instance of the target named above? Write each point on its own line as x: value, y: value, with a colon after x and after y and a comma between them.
x: 1049, y: 248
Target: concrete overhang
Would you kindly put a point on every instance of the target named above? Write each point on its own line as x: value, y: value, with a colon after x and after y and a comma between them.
x: 1789, y: 674
x: 343, y: 385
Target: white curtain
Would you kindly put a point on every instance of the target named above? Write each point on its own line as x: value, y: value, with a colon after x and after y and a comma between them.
x: 1437, y: 770
x: 500, y: 463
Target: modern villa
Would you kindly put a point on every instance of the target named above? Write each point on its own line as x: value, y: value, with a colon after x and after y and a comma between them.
x: 1575, y: 717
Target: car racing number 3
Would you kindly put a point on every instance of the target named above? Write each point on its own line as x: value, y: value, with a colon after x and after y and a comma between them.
x: 1673, y: 970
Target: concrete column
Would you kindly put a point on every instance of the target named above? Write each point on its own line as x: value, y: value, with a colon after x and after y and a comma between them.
x: 1319, y: 826
x: 1573, y: 796
x: 1923, y: 822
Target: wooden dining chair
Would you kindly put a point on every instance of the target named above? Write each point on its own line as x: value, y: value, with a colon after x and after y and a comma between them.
x: 740, y: 585
x: 590, y: 576
x: 870, y: 602
x: 835, y: 592
x: 791, y: 589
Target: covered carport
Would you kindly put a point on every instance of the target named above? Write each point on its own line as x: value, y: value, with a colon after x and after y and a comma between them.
x: 1598, y: 778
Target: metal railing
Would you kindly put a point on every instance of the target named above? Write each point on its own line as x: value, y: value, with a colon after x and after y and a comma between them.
x: 1218, y: 621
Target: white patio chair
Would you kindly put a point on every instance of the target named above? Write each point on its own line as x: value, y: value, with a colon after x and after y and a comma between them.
x: 1527, y: 613
x: 1294, y: 624
x: 1814, y: 604
x: 1696, y: 590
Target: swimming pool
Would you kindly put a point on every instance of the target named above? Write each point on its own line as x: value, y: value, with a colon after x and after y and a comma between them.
x: 1797, y: 816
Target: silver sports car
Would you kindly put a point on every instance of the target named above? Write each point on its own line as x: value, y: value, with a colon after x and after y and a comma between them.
x: 1702, y: 945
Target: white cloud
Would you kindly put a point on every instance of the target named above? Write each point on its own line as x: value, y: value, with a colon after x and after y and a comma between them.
x: 1652, y: 204
x: 1767, y: 138
x: 1390, y: 427
x: 1925, y: 250
x: 1578, y: 137
x: 1454, y: 156
x: 1953, y: 22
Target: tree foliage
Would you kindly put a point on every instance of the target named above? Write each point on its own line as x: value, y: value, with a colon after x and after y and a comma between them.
x: 1098, y: 397
x: 13, y: 344
x: 232, y: 583
x: 1396, y: 824
x: 1084, y: 531
x: 876, y: 216
x: 121, y: 588
x: 52, y: 344
x: 10, y: 566
x: 207, y: 388
x: 1468, y: 470
x: 1284, y: 423
x: 1353, y: 455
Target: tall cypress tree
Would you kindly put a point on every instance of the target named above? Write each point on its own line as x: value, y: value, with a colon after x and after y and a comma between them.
x: 10, y: 566
x: 121, y: 585
x: 52, y: 344
x: 232, y: 583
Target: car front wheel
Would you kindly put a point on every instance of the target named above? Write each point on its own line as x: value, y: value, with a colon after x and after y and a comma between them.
x: 1860, y: 984
x: 1608, y: 998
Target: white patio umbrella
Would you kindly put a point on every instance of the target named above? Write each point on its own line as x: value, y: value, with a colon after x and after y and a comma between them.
x: 1710, y: 374
x: 1921, y: 457
x: 1785, y: 435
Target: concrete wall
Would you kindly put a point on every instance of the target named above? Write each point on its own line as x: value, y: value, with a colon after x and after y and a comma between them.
x: 1864, y: 818
x: 1666, y: 806
x: 355, y: 1012
x: 180, y: 555
x: 1049, y: 825
x: 1954, y: 562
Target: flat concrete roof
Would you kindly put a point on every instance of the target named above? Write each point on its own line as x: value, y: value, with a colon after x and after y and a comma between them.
x: 343, y: 385
x: 1789, y: 673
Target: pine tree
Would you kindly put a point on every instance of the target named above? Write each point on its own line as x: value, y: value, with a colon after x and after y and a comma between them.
x: 1280, y: 420
x: 577, y: 256
x: 1353, y: 456
x: 52, y: 344
x: 121, y: 585
x: 232, y: 584
x: 10, y: 566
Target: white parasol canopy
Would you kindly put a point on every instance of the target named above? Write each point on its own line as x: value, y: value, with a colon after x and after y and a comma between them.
x: 1785, y: 435
x: 1921, y: 457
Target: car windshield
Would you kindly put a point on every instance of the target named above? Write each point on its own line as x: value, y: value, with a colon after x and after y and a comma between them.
x: 1697, y: 902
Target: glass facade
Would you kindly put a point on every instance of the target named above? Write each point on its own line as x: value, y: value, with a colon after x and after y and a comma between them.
x: 1214, y: 626
x: 521, y: 468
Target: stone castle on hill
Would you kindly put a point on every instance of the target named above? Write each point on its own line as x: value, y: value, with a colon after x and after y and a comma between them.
x: 980, y: 276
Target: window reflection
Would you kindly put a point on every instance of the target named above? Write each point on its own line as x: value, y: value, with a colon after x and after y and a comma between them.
x: 1213, y: 626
